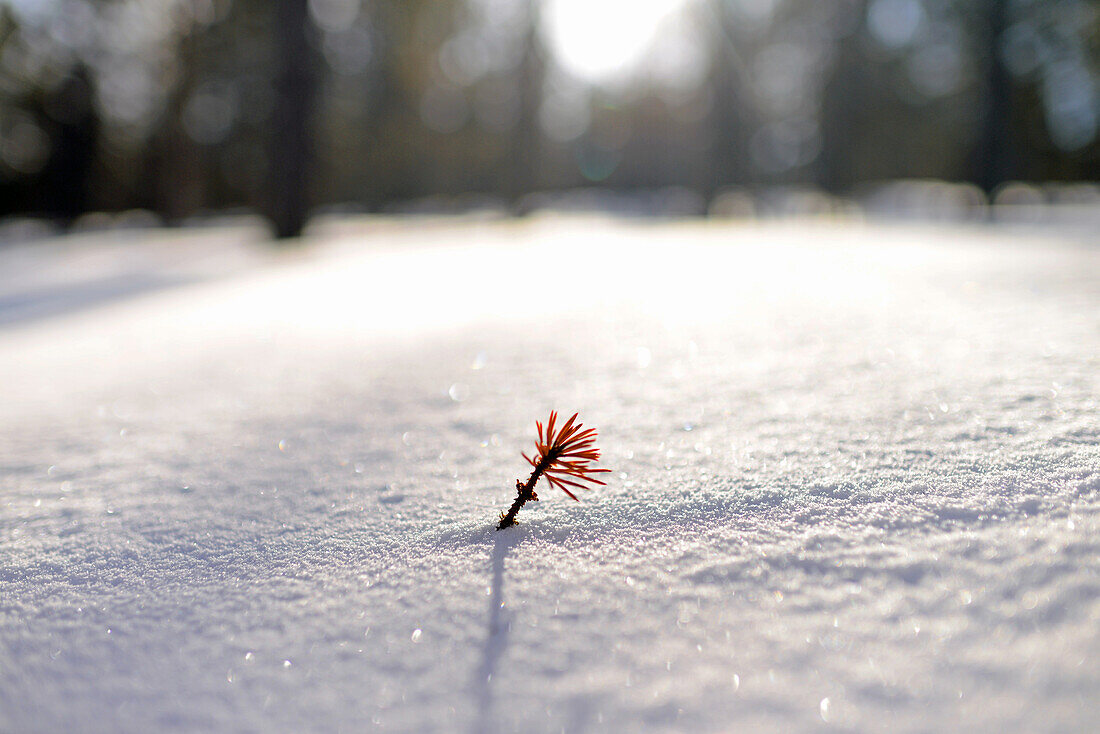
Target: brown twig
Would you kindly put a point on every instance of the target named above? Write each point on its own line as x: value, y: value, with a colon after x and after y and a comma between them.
x: 569, y: 452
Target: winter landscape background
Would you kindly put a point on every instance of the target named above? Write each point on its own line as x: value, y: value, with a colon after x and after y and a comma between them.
x: 285, y: 286
x: 856, y: 478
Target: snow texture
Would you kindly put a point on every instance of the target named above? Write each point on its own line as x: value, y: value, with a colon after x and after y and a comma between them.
x: 856, y: 482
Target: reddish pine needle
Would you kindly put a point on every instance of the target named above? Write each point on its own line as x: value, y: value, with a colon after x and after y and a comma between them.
x: 564, y: 457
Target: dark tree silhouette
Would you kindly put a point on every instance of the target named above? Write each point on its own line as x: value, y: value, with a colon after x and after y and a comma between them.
x: 296, y: 92
x: 175, y: 164
x: 733, y: 115
x: 68, y: 174
x: 522, y: 172
x: 992, y: 166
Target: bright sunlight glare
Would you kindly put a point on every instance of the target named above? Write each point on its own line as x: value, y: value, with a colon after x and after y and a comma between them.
x: 601, y: 40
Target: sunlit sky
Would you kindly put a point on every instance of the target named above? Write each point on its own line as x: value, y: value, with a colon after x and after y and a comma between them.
x: 600, y: 40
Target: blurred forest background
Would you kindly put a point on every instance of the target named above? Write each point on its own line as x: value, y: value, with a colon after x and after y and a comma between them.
x: 185, y: 107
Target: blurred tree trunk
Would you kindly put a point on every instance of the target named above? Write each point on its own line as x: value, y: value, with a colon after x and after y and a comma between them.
x: 68, y: 174
x: 175, y: 164
x: 843, y: 118
x: 524, y: 145
x: 992, y: 164
x: 732, y: 116
x: 296, y: 92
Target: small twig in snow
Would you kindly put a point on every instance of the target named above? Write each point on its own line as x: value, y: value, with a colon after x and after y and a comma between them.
x: 570, y: 452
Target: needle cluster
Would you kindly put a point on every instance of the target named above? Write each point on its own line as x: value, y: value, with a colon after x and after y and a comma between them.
x: 565, y: 456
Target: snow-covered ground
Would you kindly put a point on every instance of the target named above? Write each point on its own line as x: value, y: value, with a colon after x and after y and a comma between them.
x: 856, y: 482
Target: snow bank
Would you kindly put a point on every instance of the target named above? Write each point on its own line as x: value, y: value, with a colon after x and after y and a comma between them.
x: 857, y: 483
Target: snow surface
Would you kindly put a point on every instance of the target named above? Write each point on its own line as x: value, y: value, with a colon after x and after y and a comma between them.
x: 856, y: 484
